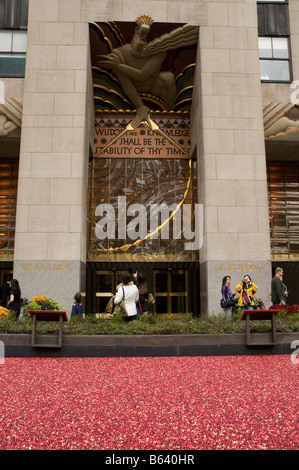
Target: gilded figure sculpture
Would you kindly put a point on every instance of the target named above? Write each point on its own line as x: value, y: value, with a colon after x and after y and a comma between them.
x: 137, y: 65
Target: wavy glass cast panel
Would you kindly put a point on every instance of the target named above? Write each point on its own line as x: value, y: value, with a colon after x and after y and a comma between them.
x: 283, y: 196
x: 139, y: 181
x: 8, y: 198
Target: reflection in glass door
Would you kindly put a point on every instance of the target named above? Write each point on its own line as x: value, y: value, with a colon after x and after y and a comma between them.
x: 106, y: 284
x: 171, y: 292
x: 4, y: 273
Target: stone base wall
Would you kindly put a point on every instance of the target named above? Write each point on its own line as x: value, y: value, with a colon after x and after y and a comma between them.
x: 212, y: 273
x: 58, y: 280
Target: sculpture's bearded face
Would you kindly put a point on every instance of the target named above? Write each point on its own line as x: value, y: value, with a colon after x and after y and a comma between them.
x: 139, y: 38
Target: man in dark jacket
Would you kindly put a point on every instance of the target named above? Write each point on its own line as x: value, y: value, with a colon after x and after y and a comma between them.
x: 277, y: 288
x: 5, y: 291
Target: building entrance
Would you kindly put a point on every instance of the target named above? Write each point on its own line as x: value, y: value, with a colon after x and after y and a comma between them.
x: 106, y: 286
x: 175, y: 286
x: 170, y: 290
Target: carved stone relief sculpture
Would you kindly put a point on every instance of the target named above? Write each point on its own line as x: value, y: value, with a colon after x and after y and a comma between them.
x: 10, y: 116
x: 143, y: 78
x: 281, y: 121
x: 137, y: 65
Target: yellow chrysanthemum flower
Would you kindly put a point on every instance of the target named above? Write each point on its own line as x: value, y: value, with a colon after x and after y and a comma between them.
x: 40, y: 298
x: 4, y: 312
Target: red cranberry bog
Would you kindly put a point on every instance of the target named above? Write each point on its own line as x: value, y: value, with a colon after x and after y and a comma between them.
x: 150, y: 403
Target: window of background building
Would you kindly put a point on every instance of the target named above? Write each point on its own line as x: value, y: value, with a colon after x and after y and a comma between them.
x: 12, y: 53
x: 274, y: 41
x: 274, y: 59
x: 13, y: 37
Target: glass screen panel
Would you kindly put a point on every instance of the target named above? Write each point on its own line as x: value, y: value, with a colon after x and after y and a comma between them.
x: 284, y: 209
x: 8, y: 196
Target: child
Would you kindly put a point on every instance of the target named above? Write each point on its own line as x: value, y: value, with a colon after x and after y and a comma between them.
x: 77, y: 308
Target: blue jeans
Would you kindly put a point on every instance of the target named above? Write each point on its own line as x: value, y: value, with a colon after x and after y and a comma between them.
x: 248, y: 307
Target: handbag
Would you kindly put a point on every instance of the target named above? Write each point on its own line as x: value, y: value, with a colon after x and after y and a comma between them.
x: 226, y: 303
x: 110, y: 305
x: 151, y: 299
x: 121, y: 307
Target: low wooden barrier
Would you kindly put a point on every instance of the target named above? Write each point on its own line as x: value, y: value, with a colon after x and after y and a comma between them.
x: 260, y: 315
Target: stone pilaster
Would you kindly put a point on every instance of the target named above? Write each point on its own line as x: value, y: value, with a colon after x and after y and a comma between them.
x: 228, y: 138
x: 50, y: 243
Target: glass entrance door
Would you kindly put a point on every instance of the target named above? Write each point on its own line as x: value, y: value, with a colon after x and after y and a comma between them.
x: 106, y: 284
x: 171, y: 292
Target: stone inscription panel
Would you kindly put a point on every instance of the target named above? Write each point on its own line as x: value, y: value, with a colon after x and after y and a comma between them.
x: 170, y: 139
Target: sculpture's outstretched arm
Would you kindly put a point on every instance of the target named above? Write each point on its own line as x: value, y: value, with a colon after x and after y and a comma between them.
x: 150, y: 69
x: 183, y: 36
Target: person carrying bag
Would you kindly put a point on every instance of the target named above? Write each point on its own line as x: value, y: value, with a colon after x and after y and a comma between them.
x: 247, y: 290
x: 226, y: 302
x: 129, y: 295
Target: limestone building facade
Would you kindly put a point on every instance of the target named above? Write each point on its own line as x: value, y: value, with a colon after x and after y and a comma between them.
x: 243, y: 148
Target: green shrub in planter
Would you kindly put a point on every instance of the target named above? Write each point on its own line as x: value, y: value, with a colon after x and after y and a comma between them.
x: 39, y: 303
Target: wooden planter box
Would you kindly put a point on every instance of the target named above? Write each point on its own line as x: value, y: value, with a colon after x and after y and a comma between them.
x: 47, y: 315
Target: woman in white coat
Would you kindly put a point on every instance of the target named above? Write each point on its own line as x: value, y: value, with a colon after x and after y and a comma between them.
x: 130, y: 293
